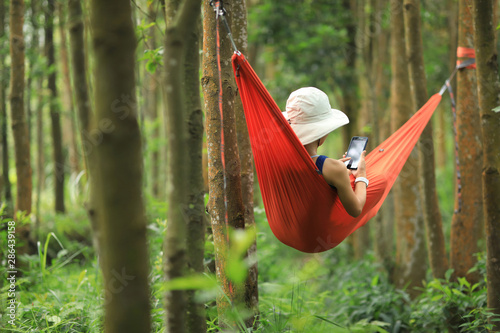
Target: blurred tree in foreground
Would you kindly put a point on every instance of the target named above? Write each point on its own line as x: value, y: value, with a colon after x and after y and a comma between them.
x: 117, y: 206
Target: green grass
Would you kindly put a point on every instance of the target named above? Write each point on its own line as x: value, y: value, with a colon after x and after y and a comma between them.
x: 61, y: 289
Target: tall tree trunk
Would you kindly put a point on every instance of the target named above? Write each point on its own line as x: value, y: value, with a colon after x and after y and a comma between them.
x: 196, y: 226
x: 467, y: 219
x: 69, y: 135
x: 181, y: 24
x: 5, y: 194
x: 151, y: 98
x: 216, y: 206
x: 79, y: 70
x: 349, y: 93
x: 40, y: 175
x: 452, y: 16
x: 246, y: 158
x: 116, y: 170
x: 58, y: 157
x: 432, y: 215
x: 89, y: 137
x: 489, y: 99
x: 384, y: 221
x: 410, y: 244
x: 40, y: 167
x: 19, y: 126
x: 360, y: 239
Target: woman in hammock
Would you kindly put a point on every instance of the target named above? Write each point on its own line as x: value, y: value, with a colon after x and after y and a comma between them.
x: 310, y: 115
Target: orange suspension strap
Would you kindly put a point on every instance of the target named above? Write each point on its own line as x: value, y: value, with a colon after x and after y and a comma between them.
x: 220, y: 13
x: 466, y: 52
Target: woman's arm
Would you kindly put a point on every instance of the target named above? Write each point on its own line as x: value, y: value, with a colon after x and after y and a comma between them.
x: 336, y: 174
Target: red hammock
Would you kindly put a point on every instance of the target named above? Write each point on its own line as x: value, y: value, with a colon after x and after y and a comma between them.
x: 302, y: 210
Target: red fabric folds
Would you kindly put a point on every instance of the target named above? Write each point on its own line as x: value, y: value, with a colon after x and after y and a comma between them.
x: 302, y: 210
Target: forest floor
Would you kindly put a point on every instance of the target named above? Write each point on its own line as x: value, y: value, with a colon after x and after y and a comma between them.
x: 61, y: 288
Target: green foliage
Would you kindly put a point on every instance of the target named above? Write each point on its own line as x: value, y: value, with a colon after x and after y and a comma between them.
x: 324, y: 292
x: 42, y: 253
x: 143, y: 30
x: 61, y: 290
x: 456, y: 305
x: 55, y: 293
x: 237, y: 266
x: 192, y: 282
x: 307, y: 42
x: 153, y: 58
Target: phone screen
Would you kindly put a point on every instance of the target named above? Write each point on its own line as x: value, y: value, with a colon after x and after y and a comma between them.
x: 356, y: 147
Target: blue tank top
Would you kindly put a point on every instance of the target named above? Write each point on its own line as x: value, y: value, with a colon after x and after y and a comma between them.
x: 319, y: 163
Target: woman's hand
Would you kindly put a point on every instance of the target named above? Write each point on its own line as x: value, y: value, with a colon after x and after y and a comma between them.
x: 361, y: 171
x: 343, y: 159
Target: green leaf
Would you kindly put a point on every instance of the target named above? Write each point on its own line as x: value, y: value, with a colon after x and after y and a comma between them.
x: 241, y: 240
x: 448, y: 274
x: 463, y: 282
x: 193, y: 282
x: 328, y: 321
x: 236, y: 270
x: 151, y: 67
x: 81, y: 278
x: 497, y: 109
x: 54, y: 319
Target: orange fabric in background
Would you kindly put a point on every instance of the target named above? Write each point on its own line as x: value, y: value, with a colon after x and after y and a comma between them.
x: 302, y: 210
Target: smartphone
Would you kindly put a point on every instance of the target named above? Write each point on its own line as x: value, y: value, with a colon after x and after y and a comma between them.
x: 356, y: 147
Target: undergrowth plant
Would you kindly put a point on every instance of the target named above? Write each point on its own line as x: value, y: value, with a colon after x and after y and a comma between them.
x: 61, y: 287
x: 458, y: 306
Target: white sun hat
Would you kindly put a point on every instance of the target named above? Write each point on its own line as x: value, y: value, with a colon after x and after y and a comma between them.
x: 309, y: 113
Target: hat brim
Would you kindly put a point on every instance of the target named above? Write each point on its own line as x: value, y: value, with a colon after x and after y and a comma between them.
x: 311, y: 132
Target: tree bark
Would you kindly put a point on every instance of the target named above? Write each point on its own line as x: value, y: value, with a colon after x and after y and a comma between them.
x: 40, y: 167
x: 466, y: 222
x: 489, y: 98
x: 216, y: 207
x: 181, y: 22
x: 384, y: 221
x: 349, y: 93
x: 432, y: 215
x: 40, y: 175
x: 246, y: 158
x: 69, y: 133
x: 116, y: 170
x: 58, y: 157
x: 368, y: 113
x: 79, y: 70
x: 410, y: 244
x: 152, y: 94
x: 443, y: 155
x: 196, y: 224
x: 90, y: 137
x: 5, y: 194
x: 19, y: 126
